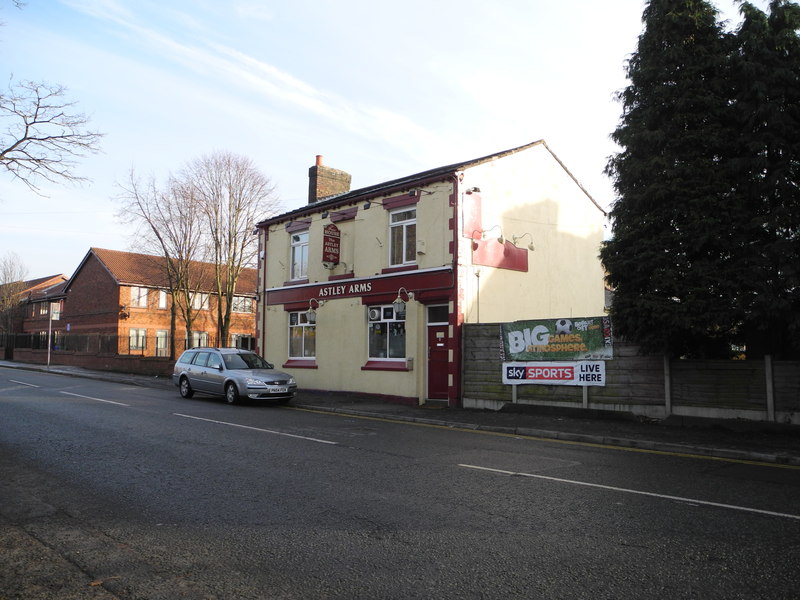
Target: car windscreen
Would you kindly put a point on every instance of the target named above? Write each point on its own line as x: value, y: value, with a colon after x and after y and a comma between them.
x: 245, y: 361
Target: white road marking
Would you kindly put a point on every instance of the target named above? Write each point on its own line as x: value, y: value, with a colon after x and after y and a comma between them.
x: 95, y: 399
x: 291, y: 435
x: 23, y: 383
x: 692, y: 501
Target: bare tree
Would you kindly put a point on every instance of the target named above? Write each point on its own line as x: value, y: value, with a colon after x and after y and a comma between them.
x: 40, y: 138
x: 12, y: 283
x: 168, y: 225
x: 233, y: 195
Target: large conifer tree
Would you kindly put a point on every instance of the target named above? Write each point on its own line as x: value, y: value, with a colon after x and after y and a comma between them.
x: 766, y: 173
x: 669, y: 260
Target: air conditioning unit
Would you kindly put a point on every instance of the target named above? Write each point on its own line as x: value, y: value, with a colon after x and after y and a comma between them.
x: 374, y: 314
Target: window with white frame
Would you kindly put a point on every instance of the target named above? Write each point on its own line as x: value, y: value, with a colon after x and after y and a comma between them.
x: 242, y: 304
x: 403, y: 236
x: 138, y: 297
x: 386, y: 332
x: 43, y: 308
x: 199, y: 339
x: 137, y: 339
x: 243, y: 341
x: 162, y: 299
x: 162, y: 342
x: 302, y: 336
x: 299, y: 257
x: 200, y: 301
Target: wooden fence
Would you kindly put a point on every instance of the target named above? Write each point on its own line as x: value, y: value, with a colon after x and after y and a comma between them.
x: 644, y: 385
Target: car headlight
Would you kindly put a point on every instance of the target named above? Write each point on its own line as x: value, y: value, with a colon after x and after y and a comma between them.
x: 255, y: 382
x: 292, y: 381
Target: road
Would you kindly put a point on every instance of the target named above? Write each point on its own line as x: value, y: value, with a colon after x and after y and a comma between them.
x: 115, y: 491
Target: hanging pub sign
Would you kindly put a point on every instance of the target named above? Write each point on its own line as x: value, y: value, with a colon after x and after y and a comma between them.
x: 331, y: 243
x: 583, y: 338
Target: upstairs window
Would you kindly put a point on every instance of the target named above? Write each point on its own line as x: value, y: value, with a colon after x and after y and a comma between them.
x: 138, y: 297
x: 403, y: 236
x: 162, y: 299
x: 242, y: 304
x: 200, y: 301
x: 299, y: 258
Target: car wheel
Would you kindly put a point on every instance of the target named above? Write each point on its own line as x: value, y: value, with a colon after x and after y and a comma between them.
x: 231, y: 393
x: 186, y: 388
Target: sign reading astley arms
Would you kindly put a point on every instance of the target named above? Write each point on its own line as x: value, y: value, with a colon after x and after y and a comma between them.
x: 331, y: 243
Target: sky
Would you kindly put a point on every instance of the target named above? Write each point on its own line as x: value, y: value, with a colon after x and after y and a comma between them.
x: 381, y: 90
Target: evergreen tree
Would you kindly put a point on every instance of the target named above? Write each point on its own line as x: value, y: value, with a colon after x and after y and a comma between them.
x: 766, y: 172
x: 669, y: 260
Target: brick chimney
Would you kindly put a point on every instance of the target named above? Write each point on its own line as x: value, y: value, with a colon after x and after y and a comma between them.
x: 324, y: 181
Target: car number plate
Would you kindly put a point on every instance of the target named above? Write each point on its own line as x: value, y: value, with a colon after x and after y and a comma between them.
x: 278, y: 390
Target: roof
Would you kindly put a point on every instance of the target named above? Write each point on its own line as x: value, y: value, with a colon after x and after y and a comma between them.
x: 410, y: 180
x: 146, y: 270
x: 40, y: 287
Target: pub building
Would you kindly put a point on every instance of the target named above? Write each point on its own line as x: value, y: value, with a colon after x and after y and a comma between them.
x: 366, y: 291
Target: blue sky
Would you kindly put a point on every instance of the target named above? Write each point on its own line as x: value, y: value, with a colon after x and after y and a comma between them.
x: 380, y: 89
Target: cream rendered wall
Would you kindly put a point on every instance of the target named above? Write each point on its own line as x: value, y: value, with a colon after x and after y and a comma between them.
x: 341, y: 329
x: 529, y: 192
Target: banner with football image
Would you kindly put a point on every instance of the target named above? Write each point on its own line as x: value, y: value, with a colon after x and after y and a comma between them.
x: 582, y: 338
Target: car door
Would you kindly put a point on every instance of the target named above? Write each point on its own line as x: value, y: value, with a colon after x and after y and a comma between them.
x: 198, y: 376
x: 214, y: 374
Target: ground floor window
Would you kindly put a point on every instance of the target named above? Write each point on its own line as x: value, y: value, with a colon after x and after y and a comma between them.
x: 137, y: 339
x: 199, y: 339
x: 245, y: 342
x: 162, y: 342
x: 302, y: 336
x: 386, y: 332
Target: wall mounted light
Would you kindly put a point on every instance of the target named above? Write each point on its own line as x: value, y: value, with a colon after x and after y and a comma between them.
x: 516, y: 238
x: 324, y: 214
x: 474, y: 190
x: 399, y: 304
x: 367, y: 204
x: 311, y: 314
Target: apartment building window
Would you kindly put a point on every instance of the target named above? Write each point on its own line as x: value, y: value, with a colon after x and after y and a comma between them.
x: 137, y: 339
x: 200, y: 301
x: 199, y: 339
x: 403, y: 236
x: 162, y: 342
x: 387, y: 333
x: 242, y: 304
x: 299, y: 258
x: 245, y: 342
x: 138, y: 297
x: 162, y: 299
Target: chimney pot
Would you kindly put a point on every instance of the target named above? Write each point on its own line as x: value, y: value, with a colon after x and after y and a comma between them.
x: 319, y: 160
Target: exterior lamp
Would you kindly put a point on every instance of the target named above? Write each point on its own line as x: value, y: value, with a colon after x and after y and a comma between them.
x: 500, y: 239
x: 516, y: 238
x: 311, y: 314
x: 399, y: 304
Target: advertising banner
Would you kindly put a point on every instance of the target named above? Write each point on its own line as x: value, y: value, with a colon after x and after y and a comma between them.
x: 555, y: 373
x: 584, y: 338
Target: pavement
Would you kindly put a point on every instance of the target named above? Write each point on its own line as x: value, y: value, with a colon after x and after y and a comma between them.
x: 737, y: 440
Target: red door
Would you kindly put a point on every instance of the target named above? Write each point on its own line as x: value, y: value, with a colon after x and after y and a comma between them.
x: 438, y: 361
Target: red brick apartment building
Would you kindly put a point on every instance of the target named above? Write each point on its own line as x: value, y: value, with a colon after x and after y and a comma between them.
x: 118, y: 303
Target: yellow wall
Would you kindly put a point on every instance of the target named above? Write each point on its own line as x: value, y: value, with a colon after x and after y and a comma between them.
x: 529, y: 192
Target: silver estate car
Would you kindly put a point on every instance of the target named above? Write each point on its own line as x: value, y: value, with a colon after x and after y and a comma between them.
x: 233, y: 373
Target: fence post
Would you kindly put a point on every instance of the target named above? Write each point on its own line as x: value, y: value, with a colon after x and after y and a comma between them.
x: 667, y: 387
x: 770, y: 387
